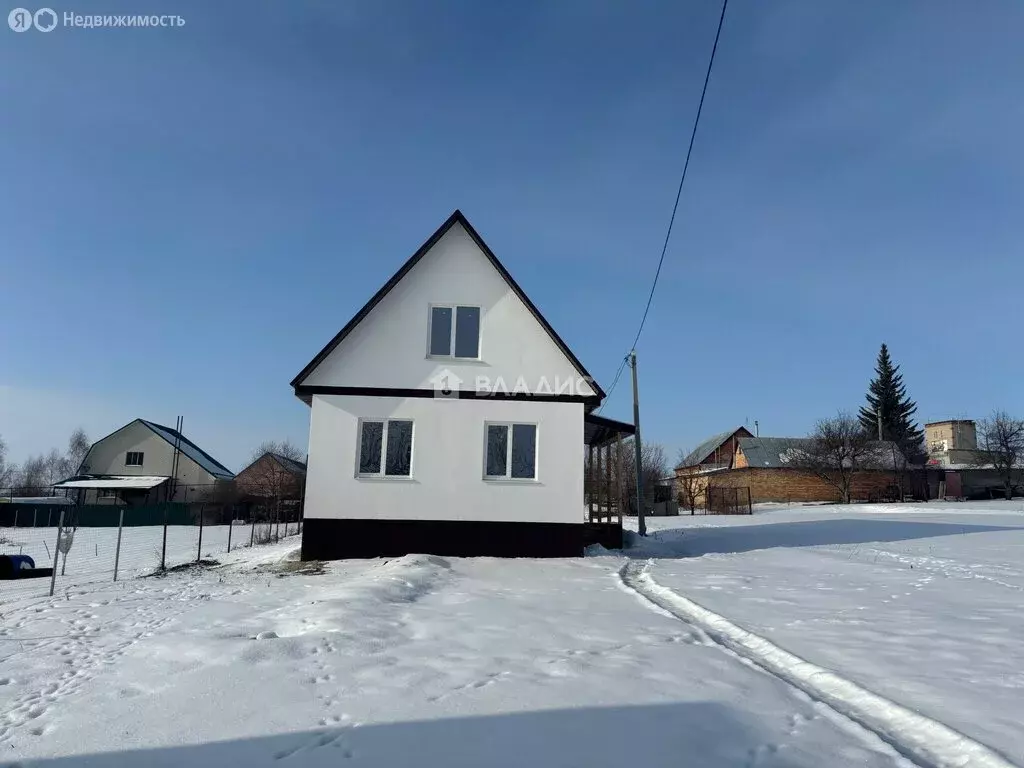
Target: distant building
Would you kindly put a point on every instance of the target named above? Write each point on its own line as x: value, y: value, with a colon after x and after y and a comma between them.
x: 952, y: 443
x: 272, y: 476
x: 143, y: 463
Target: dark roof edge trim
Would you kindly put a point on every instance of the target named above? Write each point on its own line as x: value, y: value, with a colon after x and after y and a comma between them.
x: 307, y: 390
x: 456, y: 217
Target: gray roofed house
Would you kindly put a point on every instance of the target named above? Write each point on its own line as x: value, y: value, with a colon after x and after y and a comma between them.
x: 790, y: 453
x: 715, y: 452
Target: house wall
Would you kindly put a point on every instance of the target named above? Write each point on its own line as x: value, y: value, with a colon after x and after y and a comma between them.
x: 790, y: 485
x: 955, y: 434
x: 447, y: 463
x: 107, y: 457
x: 389, y: 347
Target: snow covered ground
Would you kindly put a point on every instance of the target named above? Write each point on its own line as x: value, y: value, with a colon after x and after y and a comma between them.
x: 92, y: 554
x: 441, y: 661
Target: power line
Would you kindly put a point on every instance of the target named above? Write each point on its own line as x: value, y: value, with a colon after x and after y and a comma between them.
x: 675, y: 205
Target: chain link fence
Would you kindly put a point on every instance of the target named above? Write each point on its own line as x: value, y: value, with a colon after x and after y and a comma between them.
x: 50, y: 548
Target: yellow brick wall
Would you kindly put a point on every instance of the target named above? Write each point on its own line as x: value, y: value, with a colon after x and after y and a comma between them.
x: 790, y: 485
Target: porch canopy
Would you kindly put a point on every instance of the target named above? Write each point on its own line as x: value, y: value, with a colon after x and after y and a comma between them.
x: 113, y: 482
x: 599, y: 431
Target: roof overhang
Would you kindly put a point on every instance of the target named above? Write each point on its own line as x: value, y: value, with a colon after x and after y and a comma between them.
x: 599, y: 431
x: 122, y: 482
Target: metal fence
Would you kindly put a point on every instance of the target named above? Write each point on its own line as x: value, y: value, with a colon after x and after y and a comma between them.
x: 728, y: 501
x: 84, y: 545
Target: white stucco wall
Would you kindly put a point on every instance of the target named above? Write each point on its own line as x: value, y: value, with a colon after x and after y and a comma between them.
x: 447, y: 463
x: 389, y: 347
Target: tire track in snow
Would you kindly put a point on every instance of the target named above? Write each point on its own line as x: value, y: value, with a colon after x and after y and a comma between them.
x: 925, y: 741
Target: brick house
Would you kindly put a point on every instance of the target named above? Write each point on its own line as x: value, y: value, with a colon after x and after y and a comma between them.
x: 272, y: 477
x: 771, y: 468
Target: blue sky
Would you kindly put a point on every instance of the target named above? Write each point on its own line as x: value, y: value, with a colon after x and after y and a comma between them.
x: 190, y: 213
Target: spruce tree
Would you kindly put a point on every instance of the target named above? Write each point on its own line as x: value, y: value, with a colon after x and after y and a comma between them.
x: 888, y: 392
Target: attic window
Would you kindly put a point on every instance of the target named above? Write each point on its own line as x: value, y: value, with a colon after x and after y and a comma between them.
x: 133, y: 459
x: 454, y: 332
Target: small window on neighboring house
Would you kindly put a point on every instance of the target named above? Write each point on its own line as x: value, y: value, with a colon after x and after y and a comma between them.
x: 511, y: 452
x: 385, y: 448
x: 133, y: 459
x: 455, y: 332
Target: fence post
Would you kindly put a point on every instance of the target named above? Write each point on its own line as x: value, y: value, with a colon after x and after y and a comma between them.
x: 750, y: 506
x: 34, y: 513
x: 252, y: 536
x: 277, y: 527
x: 56, y: 551
x: 163, y: 551
x: 15, y: 517
x: 48, y: 511
x: 199, y: 554
x: 231, y: 527
x: 117, y: 552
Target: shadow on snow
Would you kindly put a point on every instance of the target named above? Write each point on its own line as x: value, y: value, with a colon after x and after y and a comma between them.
x: 690, y: 733
x: 694, y: 542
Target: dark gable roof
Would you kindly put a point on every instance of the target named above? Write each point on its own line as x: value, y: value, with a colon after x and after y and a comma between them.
x: 456, y: 217
x: 705, y: 449
x: 293, y: 466
x: 190, y: 449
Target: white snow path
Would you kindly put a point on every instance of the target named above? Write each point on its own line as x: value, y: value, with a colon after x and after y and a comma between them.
x: 926, y: 741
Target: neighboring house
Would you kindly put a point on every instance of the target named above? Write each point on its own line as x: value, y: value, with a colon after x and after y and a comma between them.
x: 712, y: 455
x: 774, y: 469
x: 142, y: 463
x: 952, y: 443
x: 272, y: 476
x: 448, y: 417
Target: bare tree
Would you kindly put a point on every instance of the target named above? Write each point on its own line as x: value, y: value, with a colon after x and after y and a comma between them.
x: 836, y: 451
x: 691, y: 484
x: 284, y: 448
x: 653, y: 467
x: 7, y: 471
x: 78, y: 448
x: 272, y: 477
x: 31, y: 478
x: 1001, y: 440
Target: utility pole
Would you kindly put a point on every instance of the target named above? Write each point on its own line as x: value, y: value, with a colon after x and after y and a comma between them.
x: 641, y: 522
x: 878, y: 413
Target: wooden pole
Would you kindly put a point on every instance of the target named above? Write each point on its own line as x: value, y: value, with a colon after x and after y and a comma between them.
x: 590, y: 481
x: 199, y: 554
x: 618, y: 476
x: 641, y: 522
x: 596, y: 485
x: 56, y: 551
x: 117, y: 552
x: 608, y: 479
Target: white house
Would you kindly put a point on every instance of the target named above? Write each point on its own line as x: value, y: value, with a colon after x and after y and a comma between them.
x: 448, y: 417
x: 145, y: 462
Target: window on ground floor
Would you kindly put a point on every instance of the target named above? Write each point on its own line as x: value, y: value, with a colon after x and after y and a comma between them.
x: 511, y: 452
x: 385, y: 448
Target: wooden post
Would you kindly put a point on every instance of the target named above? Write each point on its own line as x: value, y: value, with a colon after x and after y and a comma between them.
x: 618, y: 476
x: 163, y: 549
x: 117, y: 552
x: 590, y: 480
x: 56, y: 551
x: 596, y: 484
x: 608, y: 478
x: 199, y: 554
x: 231, y: 526
x: 750, y: 506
